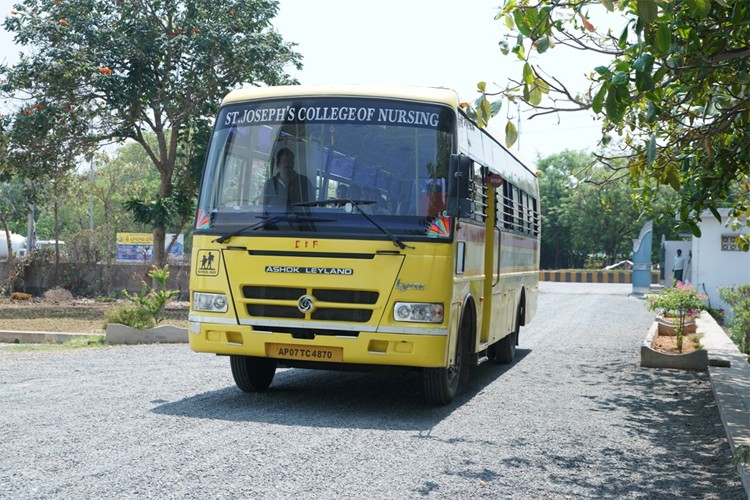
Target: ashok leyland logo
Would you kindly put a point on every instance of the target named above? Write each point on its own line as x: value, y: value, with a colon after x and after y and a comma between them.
x: 306, y: 304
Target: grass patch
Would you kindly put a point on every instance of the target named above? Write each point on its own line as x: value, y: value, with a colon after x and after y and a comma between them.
x: 88, y: 341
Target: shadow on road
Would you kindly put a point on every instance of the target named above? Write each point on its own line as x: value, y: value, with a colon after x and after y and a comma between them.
x: 381, y: 400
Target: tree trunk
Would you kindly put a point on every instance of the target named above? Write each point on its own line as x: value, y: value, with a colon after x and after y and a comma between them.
x: 56, y: 212
x: 159, y: 257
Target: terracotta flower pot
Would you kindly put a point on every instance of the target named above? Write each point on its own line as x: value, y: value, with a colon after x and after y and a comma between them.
x: 668, y: 326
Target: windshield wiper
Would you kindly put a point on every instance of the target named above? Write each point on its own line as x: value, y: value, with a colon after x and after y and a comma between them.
x: 268, y: 219
x: 355, y: 204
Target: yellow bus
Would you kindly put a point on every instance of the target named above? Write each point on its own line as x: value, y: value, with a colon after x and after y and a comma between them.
x: 358, y: 227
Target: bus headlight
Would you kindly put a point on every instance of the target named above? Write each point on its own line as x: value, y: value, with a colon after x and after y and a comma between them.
x: 210, y: 302
x: 418, y: 312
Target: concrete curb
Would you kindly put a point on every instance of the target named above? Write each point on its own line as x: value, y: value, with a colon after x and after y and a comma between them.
x: 14, y: 337
x: 731, y: 387
x: 119, y: 334
x: 162, y: 334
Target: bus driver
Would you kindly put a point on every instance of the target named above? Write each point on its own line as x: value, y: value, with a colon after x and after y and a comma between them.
x: 287, y: 187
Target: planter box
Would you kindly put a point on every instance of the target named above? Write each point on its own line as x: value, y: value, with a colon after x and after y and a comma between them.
x: 667, y: 326
x: 163, y: 334
x: 652, y: 358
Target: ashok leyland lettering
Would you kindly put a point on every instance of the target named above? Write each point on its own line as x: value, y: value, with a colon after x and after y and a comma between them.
x: 350, y: 227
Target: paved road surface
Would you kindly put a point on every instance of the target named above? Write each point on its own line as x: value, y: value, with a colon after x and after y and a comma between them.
x: 574, y: 416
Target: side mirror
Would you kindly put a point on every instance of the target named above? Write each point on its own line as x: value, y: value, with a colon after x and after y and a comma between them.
x: 460, y: 168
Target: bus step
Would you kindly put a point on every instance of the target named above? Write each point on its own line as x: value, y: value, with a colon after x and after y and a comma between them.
x: 481, y: 356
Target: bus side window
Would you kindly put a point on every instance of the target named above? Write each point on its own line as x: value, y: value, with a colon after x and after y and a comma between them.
x: 525, y: 213
x: 534, y: 217
x: 508, y: 205
x: 517, y: 210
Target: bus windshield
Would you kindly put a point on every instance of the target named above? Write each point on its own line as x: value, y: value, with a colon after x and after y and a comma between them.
x: 315, y: 164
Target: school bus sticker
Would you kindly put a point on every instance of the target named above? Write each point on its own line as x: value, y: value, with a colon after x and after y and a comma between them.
x: 208, y: 263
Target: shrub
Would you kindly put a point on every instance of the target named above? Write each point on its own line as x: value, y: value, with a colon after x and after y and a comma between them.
x: 153, y: 300
x: 131, y: 315
x: 717, y: 313
x: 682, y: 302
x: 738, y: 299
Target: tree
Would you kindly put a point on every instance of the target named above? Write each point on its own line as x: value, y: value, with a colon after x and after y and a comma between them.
x: 13, y: 209
x: 603, y: 219
x: 556, y: 186
x: 675, y: 92
x: 138, y: 66
x: 44, y: 141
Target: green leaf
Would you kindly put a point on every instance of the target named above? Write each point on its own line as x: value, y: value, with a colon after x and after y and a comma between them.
x: 542, y: 85
x: 486, y: 109
x: 664, y: 37
x: 504, y: 47
x: 651, y: 112
x: 496, y: 107
x: 651, y: 152
x: 535, y: 96
x: 542, y: 44
x: 599, y: 99
x: 528, y: 74
x: 603, y: 70
x: 694, y: 229
x: 509, y: 22
x: 643, y: 81
x: 715, y: 213
x: 616, y: 103
x: 608, y: 5
x: 673, y: 178
x: 511, y: 134
x: 509, y: 5
x: 700, y: 8
x: 622, y: 42
x: 522, y: 23
x: 482, y: 86
x: 644, y: 63
x: 648, y: 11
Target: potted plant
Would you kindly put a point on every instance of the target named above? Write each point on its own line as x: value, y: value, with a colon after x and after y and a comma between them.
x: 679, y: 305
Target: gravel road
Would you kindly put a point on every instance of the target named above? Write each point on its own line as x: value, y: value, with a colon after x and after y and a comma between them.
x: 573, y: 417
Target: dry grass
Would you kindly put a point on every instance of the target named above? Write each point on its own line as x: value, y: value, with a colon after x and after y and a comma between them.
x: 78, y: 316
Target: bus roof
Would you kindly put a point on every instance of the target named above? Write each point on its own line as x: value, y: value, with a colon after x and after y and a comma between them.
x: 426, y: 94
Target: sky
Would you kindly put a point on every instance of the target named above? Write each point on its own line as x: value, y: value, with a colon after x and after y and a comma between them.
x: 435, y: 43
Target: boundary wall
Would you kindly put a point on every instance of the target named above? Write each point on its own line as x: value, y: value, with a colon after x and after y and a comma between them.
x: 583, y: 276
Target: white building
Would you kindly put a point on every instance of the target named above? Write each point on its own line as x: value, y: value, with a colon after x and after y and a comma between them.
x: 716, y: 260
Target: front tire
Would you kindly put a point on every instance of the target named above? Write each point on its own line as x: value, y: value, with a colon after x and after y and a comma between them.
x: 252, y: 374
x: 441, y: 384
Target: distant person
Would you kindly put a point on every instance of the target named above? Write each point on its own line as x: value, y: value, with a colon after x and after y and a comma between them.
x: 287, y: 187
x: 342, y: 191
x: 679, y: 265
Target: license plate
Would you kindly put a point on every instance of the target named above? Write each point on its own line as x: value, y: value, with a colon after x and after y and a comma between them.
x: 306, y: 353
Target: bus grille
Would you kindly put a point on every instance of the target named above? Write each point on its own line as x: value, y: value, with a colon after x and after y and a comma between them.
x: 328, y: 312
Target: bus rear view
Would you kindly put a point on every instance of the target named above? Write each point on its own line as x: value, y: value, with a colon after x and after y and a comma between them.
x: 326, y: 236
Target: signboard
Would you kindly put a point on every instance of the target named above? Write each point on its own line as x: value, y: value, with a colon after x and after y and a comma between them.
x: 139, y: 247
